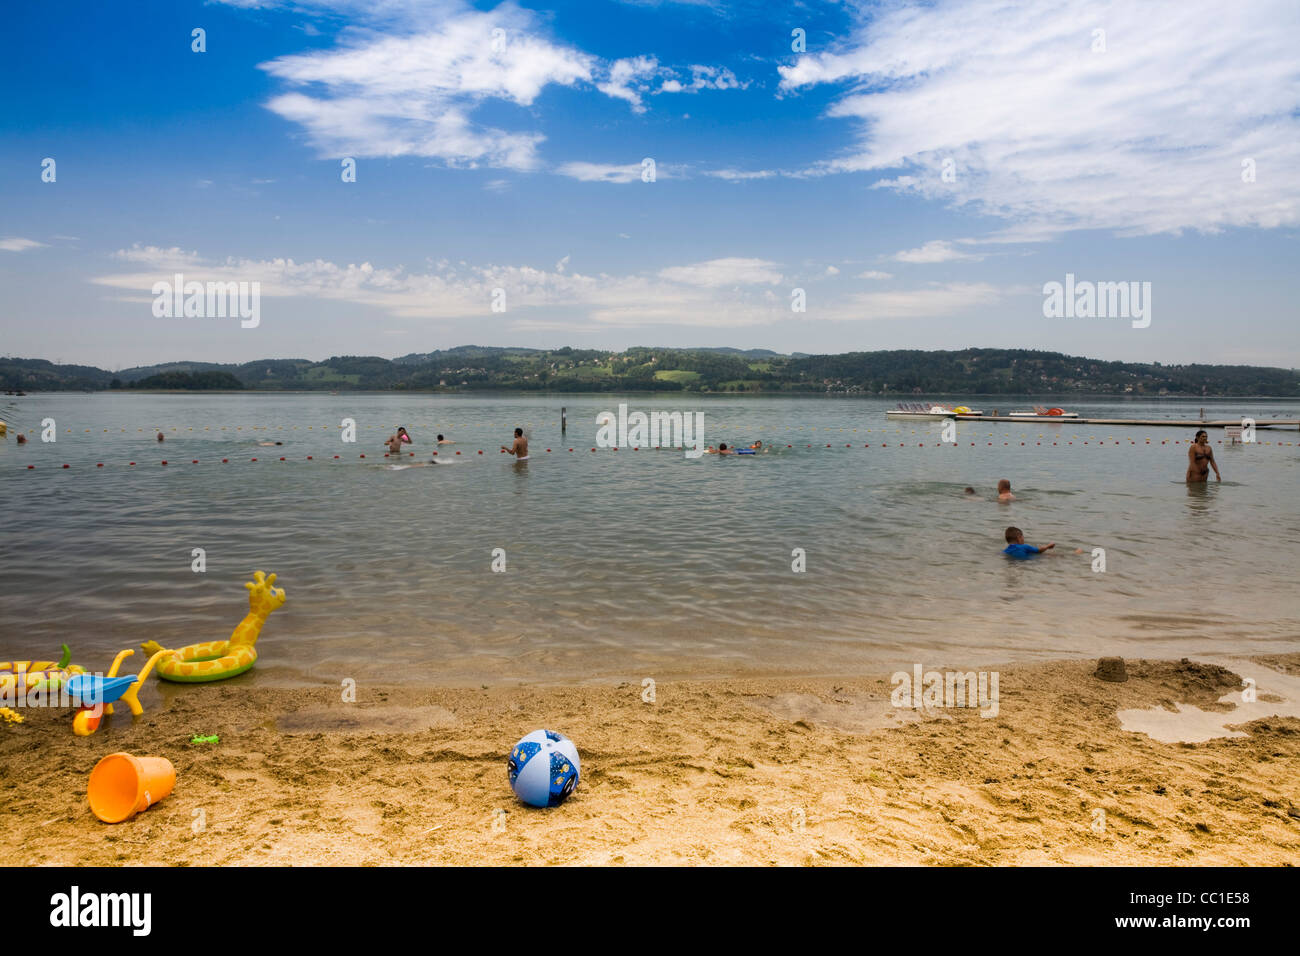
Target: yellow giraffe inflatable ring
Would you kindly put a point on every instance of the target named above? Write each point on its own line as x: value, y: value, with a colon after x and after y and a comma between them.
x: 217, y: 660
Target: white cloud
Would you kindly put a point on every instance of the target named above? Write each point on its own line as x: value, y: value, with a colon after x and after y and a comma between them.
x: 737, y: 175
x: 704, y: 78
x: 17, y: 244
x: 723, y: 293
x: 157, y: 257
x: 1146, y: 137
x: 629, y: 78
x: 935, y: 301
x: 875, y: 274
x: 726, y: 293
x: 602, y: 172
x: 408, y: 79
x: 936, y: 250
x: 724, y: 272
x: 413, y: 92
x: 832, y: 271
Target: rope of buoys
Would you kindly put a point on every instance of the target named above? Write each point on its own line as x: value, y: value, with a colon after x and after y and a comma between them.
x: 884, y: 445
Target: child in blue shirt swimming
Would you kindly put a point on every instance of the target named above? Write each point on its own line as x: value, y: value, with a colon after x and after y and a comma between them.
x: 1016, y: 547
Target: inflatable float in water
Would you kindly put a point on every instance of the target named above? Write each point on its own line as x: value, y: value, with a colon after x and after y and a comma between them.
x: 217, y: 660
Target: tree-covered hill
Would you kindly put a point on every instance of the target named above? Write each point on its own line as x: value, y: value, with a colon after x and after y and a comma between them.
x: 903, y: 373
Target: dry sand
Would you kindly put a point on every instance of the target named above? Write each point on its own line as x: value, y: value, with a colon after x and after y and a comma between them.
x: 762, y: 771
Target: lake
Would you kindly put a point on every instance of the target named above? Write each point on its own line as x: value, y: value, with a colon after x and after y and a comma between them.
x: 627, y: 564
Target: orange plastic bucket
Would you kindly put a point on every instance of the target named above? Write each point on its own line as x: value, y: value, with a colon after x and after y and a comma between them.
x: 122, y: 785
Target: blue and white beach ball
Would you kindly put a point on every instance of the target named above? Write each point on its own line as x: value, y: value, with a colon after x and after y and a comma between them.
x: 543, y: 768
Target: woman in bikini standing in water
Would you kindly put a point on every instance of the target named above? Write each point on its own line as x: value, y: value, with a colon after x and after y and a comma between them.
x: 1200, y: 459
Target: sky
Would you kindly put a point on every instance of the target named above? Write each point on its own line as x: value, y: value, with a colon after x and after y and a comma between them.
x: 814, y: 177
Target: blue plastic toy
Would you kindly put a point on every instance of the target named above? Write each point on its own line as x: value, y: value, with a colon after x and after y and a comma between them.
x: 94, y: 694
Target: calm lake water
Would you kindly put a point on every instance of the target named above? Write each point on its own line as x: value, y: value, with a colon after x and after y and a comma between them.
x: 630, y: 564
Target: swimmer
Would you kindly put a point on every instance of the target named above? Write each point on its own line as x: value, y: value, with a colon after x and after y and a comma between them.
x: 394, y: 444
x: 1200, y: 459
x: 756, y: 446
x: 722, y: 449
x: 1004, y: 490
x: 401, y: 433
x: 445, y: 441
x: 162, y: 437
x: 519, y: 447
x: 968, y: 491
x: 1016, y: 547
x: 22, y: 439
x: 268, y: 444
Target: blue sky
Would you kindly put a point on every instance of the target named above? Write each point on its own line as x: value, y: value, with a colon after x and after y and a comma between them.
x: 514, y: 160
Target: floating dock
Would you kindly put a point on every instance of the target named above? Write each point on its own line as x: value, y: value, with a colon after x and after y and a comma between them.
x: 1192, y: 423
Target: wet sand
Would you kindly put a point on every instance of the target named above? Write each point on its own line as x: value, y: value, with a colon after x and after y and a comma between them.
x: 745, y: 771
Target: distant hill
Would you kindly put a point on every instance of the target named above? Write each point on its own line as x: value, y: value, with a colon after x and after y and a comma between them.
x: 902, y: 373
x: 202, y: 381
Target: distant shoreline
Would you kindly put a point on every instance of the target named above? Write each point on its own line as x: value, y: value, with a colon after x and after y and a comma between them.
x: 1075, y: 397
x: 901, y: 374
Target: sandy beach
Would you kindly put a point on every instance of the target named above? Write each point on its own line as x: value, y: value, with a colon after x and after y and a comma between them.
x: 762, y: 771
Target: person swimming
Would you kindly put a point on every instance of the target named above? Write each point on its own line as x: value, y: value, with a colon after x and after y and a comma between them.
x: 1200, y: 459
x: 161, y: 437
x: 519, y: 447
x: 1016, y: 547
x: 968, y: 491
x: 756, y: 445
x: 402, y: 434
x: 268, y: 444
x: 722, y: 449
x: 445, y: 441
x: 1004, y: 490
x: 394, y: 443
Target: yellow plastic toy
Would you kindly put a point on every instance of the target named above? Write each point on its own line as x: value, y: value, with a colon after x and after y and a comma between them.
x: 217, y: 660
x: 98, y: 693
x: 18, y: 679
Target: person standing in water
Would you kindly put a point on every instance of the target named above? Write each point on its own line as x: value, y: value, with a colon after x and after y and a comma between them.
x: 1200, y: 459
x: 519, y: 448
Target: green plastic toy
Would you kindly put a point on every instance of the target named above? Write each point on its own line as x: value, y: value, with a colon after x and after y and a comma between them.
x: 213, y: 739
